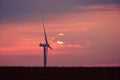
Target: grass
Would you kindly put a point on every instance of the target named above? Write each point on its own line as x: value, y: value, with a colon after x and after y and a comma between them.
x: 60, y: 73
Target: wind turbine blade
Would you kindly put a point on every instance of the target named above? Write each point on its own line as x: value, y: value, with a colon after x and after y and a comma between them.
x: 45, y: 33
x: 50, y: 47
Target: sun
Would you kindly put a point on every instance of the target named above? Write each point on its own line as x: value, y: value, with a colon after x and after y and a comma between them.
x: 60, y: 42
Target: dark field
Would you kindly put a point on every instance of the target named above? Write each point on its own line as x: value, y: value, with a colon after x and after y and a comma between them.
x: 60, y: 73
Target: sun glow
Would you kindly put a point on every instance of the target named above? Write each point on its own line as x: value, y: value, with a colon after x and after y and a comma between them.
x: 60, y: 42
x: 60, y: 34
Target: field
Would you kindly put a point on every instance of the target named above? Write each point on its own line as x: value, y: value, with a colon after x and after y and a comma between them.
x: 60, y: 73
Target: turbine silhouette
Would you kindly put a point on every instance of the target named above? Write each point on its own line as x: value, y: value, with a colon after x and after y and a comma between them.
x: 45, y: 46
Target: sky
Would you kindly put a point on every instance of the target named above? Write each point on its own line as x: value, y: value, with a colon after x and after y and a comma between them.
x: 81, y: 32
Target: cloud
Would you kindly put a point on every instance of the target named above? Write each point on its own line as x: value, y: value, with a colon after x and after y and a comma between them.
x: 87, y: 44
x: 20, y: 10
x: 100, y: 7
x: 58, y: 42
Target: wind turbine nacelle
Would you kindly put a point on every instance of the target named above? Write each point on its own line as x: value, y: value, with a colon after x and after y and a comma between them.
x: 42, y: 45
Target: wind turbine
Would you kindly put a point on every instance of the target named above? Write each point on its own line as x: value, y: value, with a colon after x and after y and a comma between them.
x: 45, y: 46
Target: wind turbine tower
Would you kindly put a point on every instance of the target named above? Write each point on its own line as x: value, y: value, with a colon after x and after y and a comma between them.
x: 45, y: 46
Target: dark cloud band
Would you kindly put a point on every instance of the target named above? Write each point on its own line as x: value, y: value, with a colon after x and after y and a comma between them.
x: 12, y: 10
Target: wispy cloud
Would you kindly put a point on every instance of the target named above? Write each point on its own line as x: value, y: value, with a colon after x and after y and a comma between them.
x: 58, y: 42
